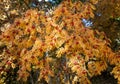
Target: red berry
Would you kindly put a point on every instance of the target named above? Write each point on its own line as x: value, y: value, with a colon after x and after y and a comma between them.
x: 72, y: 23
x: 28, y: 30
x: 46, y: 72
x: 28, y: 14
x: 78, y: 57
x: 26, y: 60
x: 44, y: 61
x: 1, y: 69
x: 84, y: 72
x: 8, y: 63
x: 7, y: 52
x: 74, y: 54
x: 43, y: 44
x: 95, y: 46
x: 13, y: 32
x: 20, y: 63
x: 80, y: 24
x: 78, y: 67
x: 60, y: 31
x: 34, y: 39
x: 76, y: 63
x: 32, y: 57
x: 96, y: 71
x: 118, y: 56
x: 54, y: 39
x: 113, y: 1
x: 45, y: 17
x: 56, y: 28
x: 17, y: 23
x: 23, y: 75
x: 33, y: 27
x: 25, y: 51
x: 38, y: 63
x: 18, y: 53
x: 8, y: 36
x: 38, y: 14
x: 88, y: 12
x: 65, y: 24
x: 63, y: 10
x: 41, y: 50
x: 51, y: 44
x: 70, y: 46
x: 68, y: 18
x: 27, y: 23
x: 77, y: 42
x: 81, y: 16
x: 67, y: 41
x: 74, y: 37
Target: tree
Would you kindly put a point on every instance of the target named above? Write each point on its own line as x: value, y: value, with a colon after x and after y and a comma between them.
x: 57, y: 47
x: 11, y: 9
x: 106, y: 19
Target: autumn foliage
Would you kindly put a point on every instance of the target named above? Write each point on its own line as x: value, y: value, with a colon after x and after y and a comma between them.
x: 57, y: 45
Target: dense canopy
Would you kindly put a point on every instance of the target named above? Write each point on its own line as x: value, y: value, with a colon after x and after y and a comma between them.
x: 53, y: 45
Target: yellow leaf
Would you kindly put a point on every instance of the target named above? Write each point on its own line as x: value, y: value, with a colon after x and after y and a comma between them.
x: 13, y: 65
x: 94, y: 1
